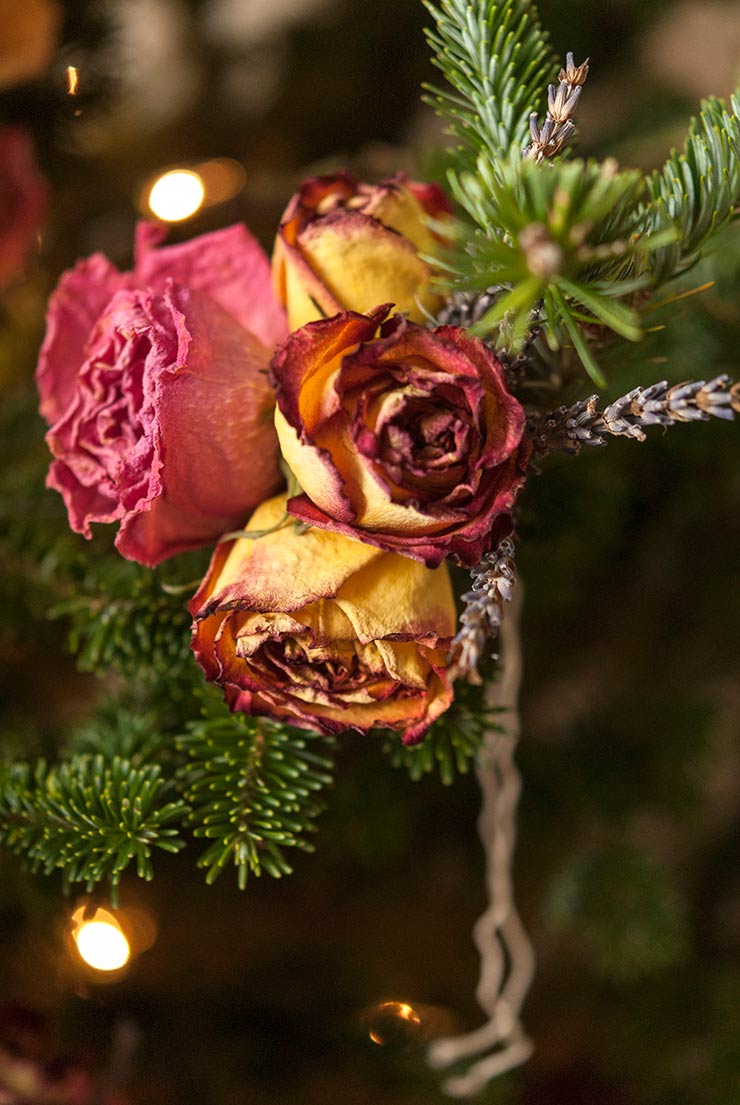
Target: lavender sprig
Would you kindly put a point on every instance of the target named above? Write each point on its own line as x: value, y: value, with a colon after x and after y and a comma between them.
x: 493, y: 578
x: 558, y: 127
x: 568, y: 429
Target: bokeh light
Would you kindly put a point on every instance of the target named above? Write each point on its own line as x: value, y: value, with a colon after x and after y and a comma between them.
x: 176, y: 195
x: 392, y: 1022
x: 100, y: 940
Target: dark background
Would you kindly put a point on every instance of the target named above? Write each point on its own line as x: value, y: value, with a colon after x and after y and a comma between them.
x: 628, y: 865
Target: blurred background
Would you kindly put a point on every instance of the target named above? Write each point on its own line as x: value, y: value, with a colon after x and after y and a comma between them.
x: 628, y: 865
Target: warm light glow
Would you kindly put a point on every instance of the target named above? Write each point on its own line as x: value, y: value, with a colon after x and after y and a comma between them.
x: 223, y: 178
x: 387, y: 1016
x: 176, y: 195
x: 73, y: 79
x: 100, y: 941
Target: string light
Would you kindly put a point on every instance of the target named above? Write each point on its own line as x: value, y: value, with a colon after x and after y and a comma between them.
x: 100, y: 940
x: 176, y: 195
x: 391, y: 1022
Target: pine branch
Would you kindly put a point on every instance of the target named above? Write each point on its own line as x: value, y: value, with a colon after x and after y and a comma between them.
x: 568, y: 429
x: 120, y: 616
x: 87, y: 818
x: 493, y: 583
x: 130, y: 727
x: 253, y: 785
x: 697, y: 191
x: 563, y: 242
x: 496, y: 57
x: 453, y: 741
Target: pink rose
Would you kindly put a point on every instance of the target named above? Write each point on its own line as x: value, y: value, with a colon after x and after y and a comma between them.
x: 23, y: 200
x: 155, y: 386
x: 399, y: 436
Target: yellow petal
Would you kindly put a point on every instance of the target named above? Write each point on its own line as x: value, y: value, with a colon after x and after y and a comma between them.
x: 284, y: 571
x: 394, y: 594
x: 363, y: 264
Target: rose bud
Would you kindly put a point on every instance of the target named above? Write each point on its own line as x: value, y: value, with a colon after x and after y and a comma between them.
x: 23, y: 199
x: 348, y: 246
x: 155, y: 383
x: 323, y: 632
x: 409, y: 441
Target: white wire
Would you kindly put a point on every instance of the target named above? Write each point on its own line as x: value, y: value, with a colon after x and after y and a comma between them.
x: 507, y: 959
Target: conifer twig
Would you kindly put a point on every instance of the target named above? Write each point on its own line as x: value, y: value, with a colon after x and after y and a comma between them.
x: 568, y: 429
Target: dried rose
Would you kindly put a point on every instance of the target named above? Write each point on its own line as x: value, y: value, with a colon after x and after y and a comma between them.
x: 348, y: 246
x: 155, y: 385
x: 409, y: 440
x: 323, y: 632
x: 23, y: 199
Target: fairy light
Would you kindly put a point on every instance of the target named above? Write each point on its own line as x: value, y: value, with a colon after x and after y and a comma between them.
x: 176, y: 195
x: 391, y: 1021
x: 100, y: 940
x: 73, y: 80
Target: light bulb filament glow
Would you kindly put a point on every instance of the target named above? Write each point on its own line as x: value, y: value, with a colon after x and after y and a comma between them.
x: 176, y: 195
x: 100, y: 941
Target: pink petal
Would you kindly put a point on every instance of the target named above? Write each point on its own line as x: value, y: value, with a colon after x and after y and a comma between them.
x: 229, y: 265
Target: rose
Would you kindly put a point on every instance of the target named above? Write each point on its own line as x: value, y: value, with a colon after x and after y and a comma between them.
x: 348, y: 246
x: 409, y: 441
x: 156, y: 388
x: 23, y: 199
x: 323, y: 632
x: 228, y: 265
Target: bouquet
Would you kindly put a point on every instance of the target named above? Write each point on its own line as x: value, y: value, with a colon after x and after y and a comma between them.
x: 347, y: 429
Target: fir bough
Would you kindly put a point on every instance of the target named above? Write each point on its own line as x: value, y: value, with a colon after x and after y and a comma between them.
x: 697, y: 191
x: 254, y: 787
x: 88, y: 818
x: 120, y: 616
x: 452, y: 744
x: 496, y: 57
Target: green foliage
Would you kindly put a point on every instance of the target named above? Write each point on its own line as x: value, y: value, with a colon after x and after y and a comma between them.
x: 88, y: 818
x: 697, y: 192
x: 560, y: 237
x: 622, y: 902
x: 121, y: 616
x: 253, y: 786
x: 497, y: 59
x: 452, y: 743
x: 126, y: 727
x: 570, y: 242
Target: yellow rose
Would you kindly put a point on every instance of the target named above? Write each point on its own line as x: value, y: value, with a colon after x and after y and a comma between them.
x: 344, y: 246
x: 325, y: 632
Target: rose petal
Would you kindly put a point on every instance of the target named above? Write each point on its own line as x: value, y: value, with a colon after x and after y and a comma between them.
x: 229, y: 265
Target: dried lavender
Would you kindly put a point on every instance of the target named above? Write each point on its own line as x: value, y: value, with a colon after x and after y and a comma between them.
x: 558, y: 127
x: 568, y: 429
x: 493, y: 584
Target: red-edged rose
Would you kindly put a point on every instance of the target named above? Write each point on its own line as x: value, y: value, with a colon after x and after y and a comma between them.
x: 407, y: 439
x: 347, y: 246
x: 326, y: 633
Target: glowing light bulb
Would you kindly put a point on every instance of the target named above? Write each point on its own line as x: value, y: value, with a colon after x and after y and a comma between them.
x: 176, y: 195
x: 392, y: 1022
x: 100, y: 941
x: 73, y: 80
